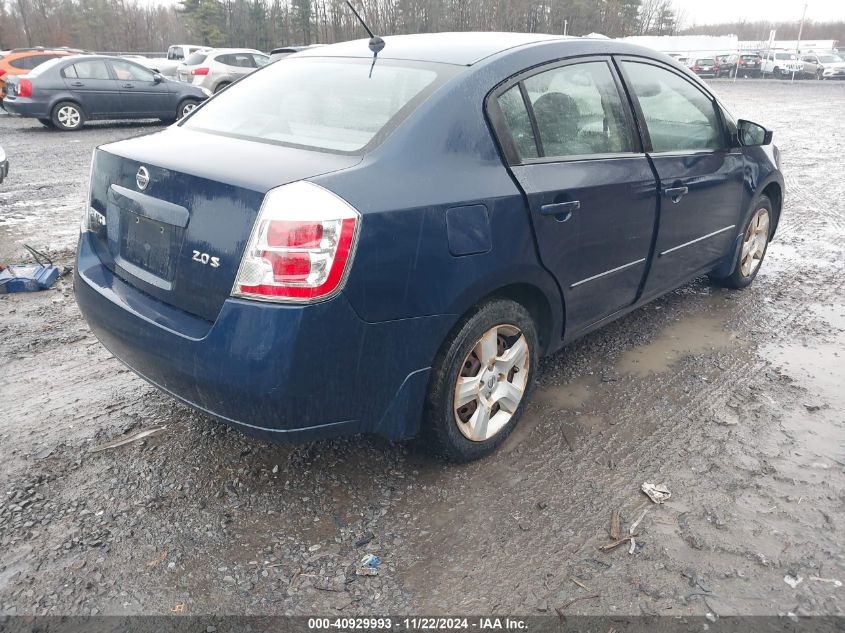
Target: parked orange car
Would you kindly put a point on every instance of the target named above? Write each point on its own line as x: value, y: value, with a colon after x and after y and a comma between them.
x: 20, y: 61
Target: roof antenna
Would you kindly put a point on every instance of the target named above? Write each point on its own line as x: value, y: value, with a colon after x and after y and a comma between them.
x: 376, y: 44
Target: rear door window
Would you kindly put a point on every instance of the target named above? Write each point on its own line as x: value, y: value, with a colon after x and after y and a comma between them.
x: 579, y: 111
x: 678, y: 116
x: 94, y: 69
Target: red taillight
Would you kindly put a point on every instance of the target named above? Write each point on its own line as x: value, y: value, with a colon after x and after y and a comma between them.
x: 741, y: 62
x: 301, y: 247
x: 199, y: 71
x: 24, y: 88
x: 2, y: 72
x: 696, y: 67
x: 294, y: 234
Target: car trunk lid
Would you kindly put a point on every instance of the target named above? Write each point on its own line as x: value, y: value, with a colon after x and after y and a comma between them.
x: 173, y: 211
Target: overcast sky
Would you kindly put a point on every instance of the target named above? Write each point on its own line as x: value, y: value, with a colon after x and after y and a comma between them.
x: 715, y: 11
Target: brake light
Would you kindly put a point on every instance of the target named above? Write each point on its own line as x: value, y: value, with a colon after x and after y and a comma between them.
x: 696, y: 67
x: 24, y: 88
x: 301, y: 246
x: 199, y: 71
x: 2, y: 72
x: 741, y: 62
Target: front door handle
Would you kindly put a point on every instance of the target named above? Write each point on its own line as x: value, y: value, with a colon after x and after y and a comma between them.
x: 561, y: 210
x: 77, y: 84
x: 127, y: 86
x: 676, y: 193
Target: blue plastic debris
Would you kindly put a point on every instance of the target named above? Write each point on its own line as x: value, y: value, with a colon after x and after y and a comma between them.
x: 29, y: 277
x: 368, y: 566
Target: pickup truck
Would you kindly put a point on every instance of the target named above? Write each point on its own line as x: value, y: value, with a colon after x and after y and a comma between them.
x: 176, y: 54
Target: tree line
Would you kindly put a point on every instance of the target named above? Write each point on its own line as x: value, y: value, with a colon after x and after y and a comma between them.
x: 132, y: 26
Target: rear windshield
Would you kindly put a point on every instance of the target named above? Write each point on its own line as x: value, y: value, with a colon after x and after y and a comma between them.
x: 46, y: 66
x: 785, y: 56
x: 750, y: 58
x: 707, y: 61
x: 336, y: 105
x: 195, y: 58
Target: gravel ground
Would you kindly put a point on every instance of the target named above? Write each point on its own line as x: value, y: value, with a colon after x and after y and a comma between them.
x: 732, y: 399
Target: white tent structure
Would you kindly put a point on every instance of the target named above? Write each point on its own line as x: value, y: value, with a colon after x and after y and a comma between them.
x: 687, y: 45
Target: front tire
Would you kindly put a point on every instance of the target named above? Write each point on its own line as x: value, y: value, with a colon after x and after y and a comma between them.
x: 480, y: 381
x: 755, y: 242
x: 777, y: 74
x: 186, y: 106
x: 68, y: 116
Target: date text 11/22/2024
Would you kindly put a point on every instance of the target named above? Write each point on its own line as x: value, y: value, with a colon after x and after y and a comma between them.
x: 418, y: 624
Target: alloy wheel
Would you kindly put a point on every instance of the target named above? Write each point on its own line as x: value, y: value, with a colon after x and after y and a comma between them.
x: 187, y: 109
x: 754, y: 242
x: 69, y: 117
x: 492, y: 382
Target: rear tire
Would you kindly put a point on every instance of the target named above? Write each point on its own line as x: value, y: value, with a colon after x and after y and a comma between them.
x: 755, y: 242
x: 222, y: 85
x: 68, y: 116
x: 492, y: 391
x: 777, y: 74
x: 186, y: 106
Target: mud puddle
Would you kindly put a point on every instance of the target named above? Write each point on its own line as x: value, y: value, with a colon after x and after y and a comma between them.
x: 692, y: 335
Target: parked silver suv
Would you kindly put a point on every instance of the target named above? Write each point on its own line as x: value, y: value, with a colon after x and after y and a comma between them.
x: 217, y: 68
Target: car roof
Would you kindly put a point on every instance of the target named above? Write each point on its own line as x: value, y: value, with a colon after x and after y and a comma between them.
x: 463, y: 49
x: 215, y: 51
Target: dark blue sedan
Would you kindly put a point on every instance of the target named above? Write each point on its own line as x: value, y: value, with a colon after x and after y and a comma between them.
x: 343, y: 244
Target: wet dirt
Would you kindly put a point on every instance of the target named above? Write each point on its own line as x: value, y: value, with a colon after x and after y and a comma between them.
x: 734, y: 400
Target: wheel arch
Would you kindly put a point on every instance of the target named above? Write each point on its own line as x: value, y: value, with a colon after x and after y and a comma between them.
x: 66, y: 99
x: 774, y: 192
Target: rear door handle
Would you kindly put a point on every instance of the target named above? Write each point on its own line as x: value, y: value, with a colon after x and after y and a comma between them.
x: 676, y: 193
x: 127, y: 86
x: 77, y: 84
x: 561, y: 210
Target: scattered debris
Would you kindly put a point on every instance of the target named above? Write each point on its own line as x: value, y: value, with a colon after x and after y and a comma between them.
x: 812, y: 408
x: 580, y: 584
x: 29, y: 277
x: 157, y: 561
x: 793, y: 581
x: 832, y: 581
x: 614, y: 525
x: 128, y: 440
x: 559, y: 610
x: 368, y: 566
x: 314, y: 548
x: 656, y: 492
x: 636, y: 523
x: 369, y: 536
x: 542, y: 505
x: 632, y: 547
x: 609, y: 546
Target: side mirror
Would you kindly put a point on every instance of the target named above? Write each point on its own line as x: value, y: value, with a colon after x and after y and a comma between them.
x: 158, y: 78
x: 751, y: 134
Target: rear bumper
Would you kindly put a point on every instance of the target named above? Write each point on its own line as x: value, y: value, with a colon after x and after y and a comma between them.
x: 286, y: 372
x: 25, y: 107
